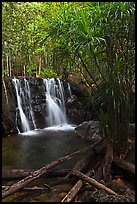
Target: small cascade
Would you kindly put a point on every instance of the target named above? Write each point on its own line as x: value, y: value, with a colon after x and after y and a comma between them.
x: 24, y: 109
x: 28, y: 93
x: 55, y: 105
x: 55, y: 102
x: 20, y: 98
x: 69, y: 90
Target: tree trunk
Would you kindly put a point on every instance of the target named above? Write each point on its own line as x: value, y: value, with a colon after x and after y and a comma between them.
x: 9, y: 67
x: 7, y: 60
x: 108, y: 162
x: 40, y: 64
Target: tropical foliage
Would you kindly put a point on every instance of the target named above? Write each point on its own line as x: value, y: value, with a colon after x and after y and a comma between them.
x: 94, y: 39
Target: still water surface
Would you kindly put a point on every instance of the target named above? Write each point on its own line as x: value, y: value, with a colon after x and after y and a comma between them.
x: 40, y: 148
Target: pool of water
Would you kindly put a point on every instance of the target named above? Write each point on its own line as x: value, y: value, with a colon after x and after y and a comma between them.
x: 40, y: 147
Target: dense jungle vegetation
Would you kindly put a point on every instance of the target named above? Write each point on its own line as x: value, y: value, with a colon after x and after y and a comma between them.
x: 92, y: 40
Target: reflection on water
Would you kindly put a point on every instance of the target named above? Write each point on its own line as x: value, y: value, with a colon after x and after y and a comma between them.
x: 43, y: 147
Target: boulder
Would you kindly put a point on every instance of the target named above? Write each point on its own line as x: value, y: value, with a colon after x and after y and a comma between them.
x: 74, y: 111
x: 88, y: 130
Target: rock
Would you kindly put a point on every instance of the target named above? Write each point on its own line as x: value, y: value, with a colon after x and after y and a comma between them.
x: 73, y: 109
x: 76, y: 89
x: 88, y: 130
x: 102, y: 196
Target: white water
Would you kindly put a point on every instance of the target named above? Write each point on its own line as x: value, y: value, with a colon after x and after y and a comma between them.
x: 56, y: 118
x: 69, y: 89
x: 19, y: 94
x: 56, y: 111
x: 65, y: 127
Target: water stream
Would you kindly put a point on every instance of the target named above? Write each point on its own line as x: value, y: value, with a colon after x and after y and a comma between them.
x: 55, y: 102
x: 19, y: 109
x: 55, y: 105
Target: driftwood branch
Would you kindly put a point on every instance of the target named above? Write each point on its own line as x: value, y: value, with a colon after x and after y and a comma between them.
x: 125, y: 165
x: 94, y: 182
x: 75, y: 189
x: 78, y: 166
x: 22, y: 173
x: 35, y: 188
x: 36, y: 174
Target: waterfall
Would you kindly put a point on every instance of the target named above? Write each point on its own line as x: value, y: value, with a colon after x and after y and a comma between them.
x: 24, y: 107
x: 20, y: 97
x: 55, y: 104
x: 69, y: 90
x: 56, y: 111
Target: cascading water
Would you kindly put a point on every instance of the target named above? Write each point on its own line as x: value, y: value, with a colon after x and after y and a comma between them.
x: 20, y: 97
x: 69, y: 90
x: 55, y: 102
x: 24, y: 107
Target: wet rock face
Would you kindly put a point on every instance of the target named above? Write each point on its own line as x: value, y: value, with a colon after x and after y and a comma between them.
x: 8, y: 108
x: 74, y: 111
x: 88, y: 130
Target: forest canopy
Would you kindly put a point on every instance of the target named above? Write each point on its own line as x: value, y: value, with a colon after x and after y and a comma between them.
x: 46, y: 38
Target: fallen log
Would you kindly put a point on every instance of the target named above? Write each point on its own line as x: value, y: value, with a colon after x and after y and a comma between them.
x: 22, y: 173
x: 78, y: 166
x: 15, y: 173
x: 72, y: 193
x: 94, y: 182
x: 125, y: 165
x: 108, y: 161
x: 96, y: 150
x: 36, y: 174
x: 35, y: 188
